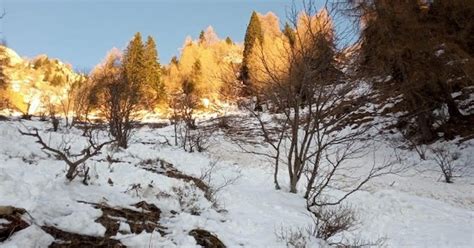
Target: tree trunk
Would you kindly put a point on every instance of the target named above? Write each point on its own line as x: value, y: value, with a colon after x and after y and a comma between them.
x: 424, y: 126
x: 313, y: 176
x: 275, y: 175
x: 293, y: 187
x: 71, y: 172
x: 293, y: 183
x: 453, y: 110
x: 176, y: 133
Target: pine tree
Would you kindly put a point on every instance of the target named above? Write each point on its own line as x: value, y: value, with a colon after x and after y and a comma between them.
x: 174, y: 60
x: 253, y: 34
x: 152, y: 71
x: 290, y: 34
x: 133, y: 65
x: 202, y: 37
x: 229, y: 41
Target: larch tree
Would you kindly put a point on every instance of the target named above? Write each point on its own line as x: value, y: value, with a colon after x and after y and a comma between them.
x: 4, y: 61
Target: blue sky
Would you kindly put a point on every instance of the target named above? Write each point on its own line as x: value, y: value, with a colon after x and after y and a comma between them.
x: 82, y: 31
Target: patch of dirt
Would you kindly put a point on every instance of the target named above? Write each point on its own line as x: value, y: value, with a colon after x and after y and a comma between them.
x: 4, y: 118
x: 12, y: 221
x: 65, y: 239
x: 463, y: 128
x: 206, y: 239
x: 145, y: 220
x: 162, y: 167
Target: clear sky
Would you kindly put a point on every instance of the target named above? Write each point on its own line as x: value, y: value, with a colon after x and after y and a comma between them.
x: 80, y: 32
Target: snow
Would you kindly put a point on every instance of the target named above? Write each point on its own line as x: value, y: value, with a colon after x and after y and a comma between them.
x: 31, y: 236
x: 406, y: 209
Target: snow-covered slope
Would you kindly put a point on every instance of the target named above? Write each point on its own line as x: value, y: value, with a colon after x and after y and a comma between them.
x: 408, y: 210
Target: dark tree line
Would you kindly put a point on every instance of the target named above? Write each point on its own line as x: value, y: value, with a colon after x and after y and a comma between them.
x: 425, y: 48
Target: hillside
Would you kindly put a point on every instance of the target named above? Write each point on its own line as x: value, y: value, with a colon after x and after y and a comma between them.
x: 343, y: 124
x: 407, y: 209
x: 34, y: 84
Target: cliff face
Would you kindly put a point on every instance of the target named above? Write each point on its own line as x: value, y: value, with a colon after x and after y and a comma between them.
x: 34, y: 85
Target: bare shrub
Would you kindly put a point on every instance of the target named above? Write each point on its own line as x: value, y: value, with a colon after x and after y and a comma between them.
x: 84, y: 100
x: 188, y: 198
x: 332, y: 220
x: 447, y: 162
x: 197, y: 139
x: 329, y: 224
x: 135, y: 188
x: 74, y: 161
x: 208, y: 176
x: 293, y: 238
x: 187, y: 133
x: 116, y: 97
x: 68, y: 101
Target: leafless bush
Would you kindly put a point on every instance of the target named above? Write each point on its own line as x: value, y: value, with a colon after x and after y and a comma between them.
x: 224, y: 122
x: 329, y: 224
x: 74, y: 161
x: 332, y: 220
x: 188, y: 198
x: 82, y: 100
x: 294, y: 238
x: 68, y: 101
x: 116, y: 98
x: 197, y: 139
x: 208, y: 176
x: 447, y: 162
x: 187, y: 133
x: 135, y: 188
x: 419, y: 148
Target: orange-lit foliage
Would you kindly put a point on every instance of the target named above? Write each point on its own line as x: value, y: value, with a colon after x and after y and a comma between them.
x: 44, y: 85
x: 37, y: 86
x: 215, y: 57
x: 271, y: 54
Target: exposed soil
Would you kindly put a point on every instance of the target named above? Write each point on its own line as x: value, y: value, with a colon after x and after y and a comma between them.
x: 65, y: 239
x: 162, y: 167
x: 206, y: 239
x: 145, y: 220
x: 140, y: 217
x: 15, y: 223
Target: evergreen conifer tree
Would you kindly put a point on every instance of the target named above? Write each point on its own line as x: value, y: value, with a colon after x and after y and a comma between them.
x: 201, y: 36
x: 174, y: 60
x: 229, y: 41
x: 152, y: 70
x: 133, y: 65
x: 253, y: 34
x: 290, y: 34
